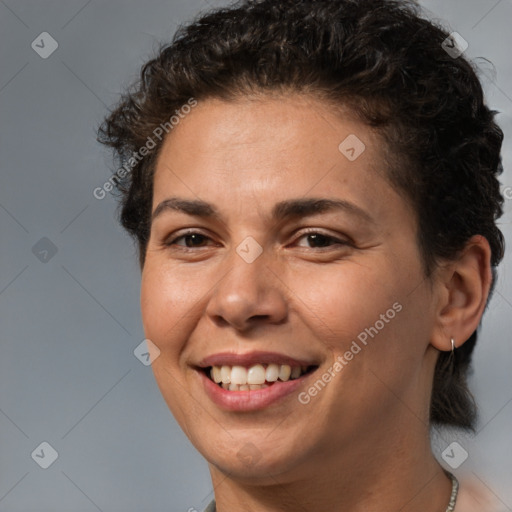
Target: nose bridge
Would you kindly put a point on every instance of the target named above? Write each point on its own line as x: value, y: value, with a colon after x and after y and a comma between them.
x: 249, y: 291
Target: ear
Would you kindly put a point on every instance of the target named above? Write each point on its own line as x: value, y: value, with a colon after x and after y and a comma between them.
x: 463, y: 288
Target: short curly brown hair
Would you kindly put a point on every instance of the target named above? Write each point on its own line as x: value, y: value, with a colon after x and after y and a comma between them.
x: 380, y: 58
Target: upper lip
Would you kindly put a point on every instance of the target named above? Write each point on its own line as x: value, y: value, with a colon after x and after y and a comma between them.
x: 250, y: 358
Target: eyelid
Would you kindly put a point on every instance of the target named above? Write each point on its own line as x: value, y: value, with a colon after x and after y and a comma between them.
x: 171, y: 239
x: 334, y: 242
x: 317, y: 231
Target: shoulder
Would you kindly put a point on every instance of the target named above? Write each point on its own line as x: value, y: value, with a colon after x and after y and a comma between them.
x: 475, y: 496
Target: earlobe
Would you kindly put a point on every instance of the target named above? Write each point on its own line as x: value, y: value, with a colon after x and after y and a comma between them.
x: 464, y: 289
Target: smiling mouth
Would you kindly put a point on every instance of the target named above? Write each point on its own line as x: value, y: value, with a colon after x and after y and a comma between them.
x: 257, y: 376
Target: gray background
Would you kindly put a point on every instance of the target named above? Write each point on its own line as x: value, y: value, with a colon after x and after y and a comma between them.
x: 69, y: 325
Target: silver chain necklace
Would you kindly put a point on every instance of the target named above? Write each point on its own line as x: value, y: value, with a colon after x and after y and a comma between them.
x: 455, y: 490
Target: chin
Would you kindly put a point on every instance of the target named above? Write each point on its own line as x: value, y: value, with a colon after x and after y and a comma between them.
x: 256, y: 458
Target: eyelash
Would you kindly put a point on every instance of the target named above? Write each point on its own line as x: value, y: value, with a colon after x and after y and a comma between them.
x: 331, y: 238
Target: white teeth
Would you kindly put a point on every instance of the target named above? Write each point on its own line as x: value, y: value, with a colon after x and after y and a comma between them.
x: 256, y: 374
x: 272, y: 373
x: 239, y: 378
x: 284, y: 372
x: 239, y: 375
x: 258, y: 386
x: 225, y: 373
x: 215, y: 374
x: 243, y: 387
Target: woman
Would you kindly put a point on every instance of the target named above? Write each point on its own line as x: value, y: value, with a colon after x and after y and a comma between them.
x: 313, y: 189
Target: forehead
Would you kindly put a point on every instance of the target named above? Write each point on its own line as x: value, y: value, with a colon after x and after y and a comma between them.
x: 293, y: 118
x: 255, y: 130
x: 268, y: 148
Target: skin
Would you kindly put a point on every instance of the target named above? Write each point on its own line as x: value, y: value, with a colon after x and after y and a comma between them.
x: 362, y: 443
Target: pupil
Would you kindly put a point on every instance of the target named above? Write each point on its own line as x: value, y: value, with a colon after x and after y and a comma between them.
x: 318, y: 239
x: 193, y: 237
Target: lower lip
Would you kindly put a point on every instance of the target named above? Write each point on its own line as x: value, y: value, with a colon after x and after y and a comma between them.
x: 251, y: 400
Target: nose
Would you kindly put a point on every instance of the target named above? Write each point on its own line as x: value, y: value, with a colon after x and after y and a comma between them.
x: 249, y: 295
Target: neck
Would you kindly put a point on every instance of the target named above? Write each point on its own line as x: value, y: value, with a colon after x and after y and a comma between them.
x: 402, y: 474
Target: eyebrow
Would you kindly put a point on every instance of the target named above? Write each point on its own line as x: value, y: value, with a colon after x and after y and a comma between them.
x: 288, y: 209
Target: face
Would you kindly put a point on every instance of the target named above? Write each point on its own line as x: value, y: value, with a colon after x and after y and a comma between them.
x: 245, y: 271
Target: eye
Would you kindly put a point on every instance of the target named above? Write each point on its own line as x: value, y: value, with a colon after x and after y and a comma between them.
x: 195, y: 239
x: 192, y: 239
x: 320, y: 240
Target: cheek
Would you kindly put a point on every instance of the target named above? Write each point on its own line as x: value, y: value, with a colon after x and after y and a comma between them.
x: 167, y: 307
x: 341, y: 301
x: 167, y: 304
